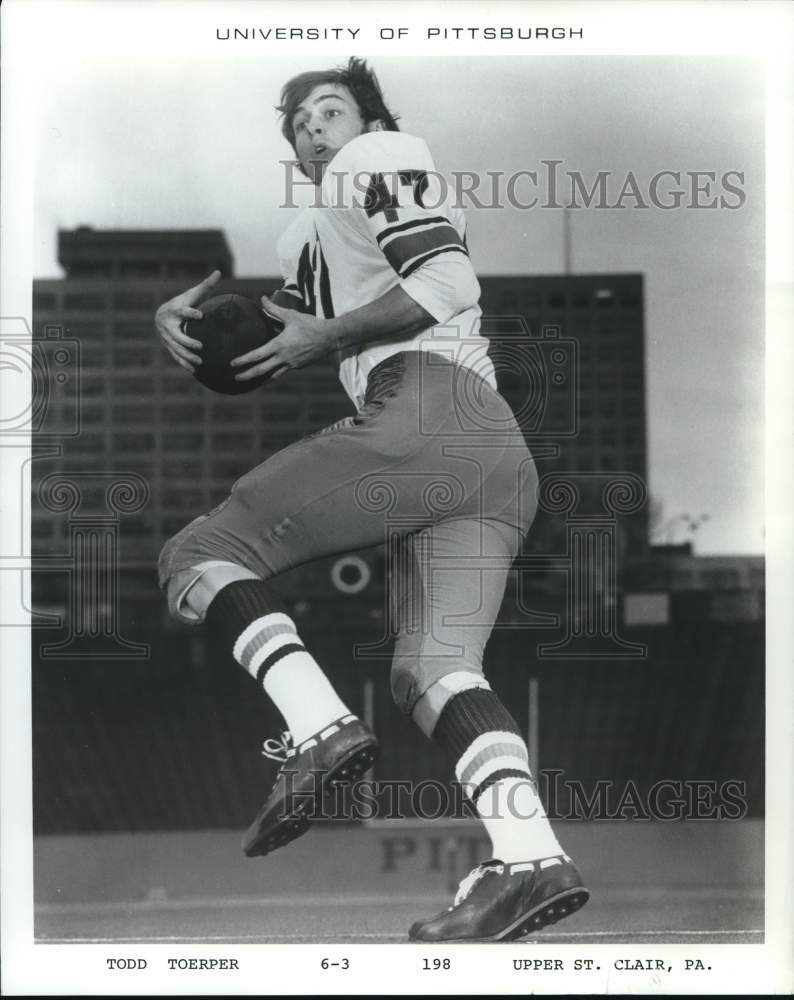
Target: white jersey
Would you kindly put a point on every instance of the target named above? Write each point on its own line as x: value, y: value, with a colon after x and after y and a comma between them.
x: 382, y: 218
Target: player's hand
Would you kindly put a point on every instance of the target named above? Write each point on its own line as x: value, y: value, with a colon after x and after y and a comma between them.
x: 303, y: 340
x: 170, y: 320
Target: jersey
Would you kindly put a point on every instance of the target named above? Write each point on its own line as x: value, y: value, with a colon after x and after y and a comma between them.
x: 384, y: 217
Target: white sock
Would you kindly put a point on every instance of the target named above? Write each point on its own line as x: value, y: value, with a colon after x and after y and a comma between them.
x: 270, y: 649
x: 516, y: 821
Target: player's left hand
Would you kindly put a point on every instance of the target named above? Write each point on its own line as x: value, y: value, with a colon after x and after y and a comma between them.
x: 303, y: 340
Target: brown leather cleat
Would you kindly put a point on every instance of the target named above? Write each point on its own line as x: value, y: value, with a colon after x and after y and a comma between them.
x: 502, y: 902
x: 341, y: 752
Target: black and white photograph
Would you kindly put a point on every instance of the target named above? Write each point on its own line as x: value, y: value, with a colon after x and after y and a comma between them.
x: 396, y: 460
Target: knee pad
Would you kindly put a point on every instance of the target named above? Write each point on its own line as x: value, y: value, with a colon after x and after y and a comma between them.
x: 179, y: 585
x: 421, y: 686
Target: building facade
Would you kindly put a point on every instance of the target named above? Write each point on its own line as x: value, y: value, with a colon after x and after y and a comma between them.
x: 569, y: 353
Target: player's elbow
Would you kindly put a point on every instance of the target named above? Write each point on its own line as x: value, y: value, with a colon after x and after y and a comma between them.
x: 445, y: 286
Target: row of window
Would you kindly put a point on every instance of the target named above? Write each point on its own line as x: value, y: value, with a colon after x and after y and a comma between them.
x: 602, y: 298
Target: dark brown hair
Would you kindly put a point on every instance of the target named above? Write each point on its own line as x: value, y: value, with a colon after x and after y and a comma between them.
x: 359, y: 79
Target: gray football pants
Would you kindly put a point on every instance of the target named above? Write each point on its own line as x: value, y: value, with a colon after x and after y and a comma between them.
x: 434, y: 465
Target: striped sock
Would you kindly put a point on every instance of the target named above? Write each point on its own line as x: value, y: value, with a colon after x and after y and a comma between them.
x: 492, y: 765
x: 265, y: 641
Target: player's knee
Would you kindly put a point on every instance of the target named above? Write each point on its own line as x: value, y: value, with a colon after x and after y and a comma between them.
x: 422, y: 686
x: 190, y: 591
x: 427, y: 709
x: 404, y: 686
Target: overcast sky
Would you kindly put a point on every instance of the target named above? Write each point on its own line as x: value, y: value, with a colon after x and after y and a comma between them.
x: 139, y: 144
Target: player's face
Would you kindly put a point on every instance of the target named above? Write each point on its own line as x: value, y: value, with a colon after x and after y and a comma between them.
x: 325, y: 122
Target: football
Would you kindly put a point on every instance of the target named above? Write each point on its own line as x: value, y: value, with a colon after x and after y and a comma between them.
x: 232, y: 325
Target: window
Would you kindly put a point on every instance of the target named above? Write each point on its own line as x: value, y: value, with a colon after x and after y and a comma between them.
x: 189, y: 269
x: 136, y: 527
x: 632, y: 406
x: 184, y: 500
x: 180, y: 412
x: 134, y: 331
x: 607, y: 436
x: 91, y: 269
x: 133, y: 413
x: 221, y: 415
x: 93, y: 356
x: 87, y: 332
x: 132, y: 385
x: 181, y: 385
x: 606, y: 352
x: 133, y: 357
x: 140, y: 441
x: 46, y: 301
x: 89, y: 415
x: 133, y: 300
x: 139, y: 268
x: 91, y: 303
x: 607, y: 408
x: 181, y: 468
x: 92, y: 443
x: 233, y: 441
x: 171, y: 525
x: 230, y: 469
x: 324, y: 415
x: 584, y: 438
x: 92, y: 385
x: 632, y: 435
x: 719, y: 578
x: 183, y: 440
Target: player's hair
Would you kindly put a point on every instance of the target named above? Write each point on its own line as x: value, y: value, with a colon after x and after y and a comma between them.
x: 359, y: 79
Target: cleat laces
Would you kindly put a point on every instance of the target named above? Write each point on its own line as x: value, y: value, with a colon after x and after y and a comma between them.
x: 467, y: 885
x: 280, y: 749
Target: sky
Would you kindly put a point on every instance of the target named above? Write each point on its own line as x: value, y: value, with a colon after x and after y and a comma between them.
x: 135, y: 143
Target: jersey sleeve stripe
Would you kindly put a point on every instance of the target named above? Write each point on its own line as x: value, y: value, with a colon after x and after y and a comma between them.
x: 414, y: 264
x: 413, y: 224
x: 403, y: 249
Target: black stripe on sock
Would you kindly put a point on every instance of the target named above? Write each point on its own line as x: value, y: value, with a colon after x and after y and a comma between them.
x: 505, y: 772
x: 276, y: 655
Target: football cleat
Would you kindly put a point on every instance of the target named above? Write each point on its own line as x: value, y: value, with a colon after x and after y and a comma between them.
x: 341, y: 752
x: 502, y: 902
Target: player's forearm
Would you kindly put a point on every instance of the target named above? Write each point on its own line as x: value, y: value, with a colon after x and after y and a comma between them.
x: 391, y: 317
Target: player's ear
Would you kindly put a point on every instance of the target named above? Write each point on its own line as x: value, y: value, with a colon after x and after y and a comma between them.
x: 378, y: 125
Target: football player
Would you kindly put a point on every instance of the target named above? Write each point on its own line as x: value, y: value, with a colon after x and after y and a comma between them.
x: 378, y: 271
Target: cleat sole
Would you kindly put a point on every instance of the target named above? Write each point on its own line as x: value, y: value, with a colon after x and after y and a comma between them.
x: 551, y: 910
x: 357, y: 762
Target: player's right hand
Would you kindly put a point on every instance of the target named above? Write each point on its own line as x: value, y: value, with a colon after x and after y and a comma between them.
x: 170, y: 320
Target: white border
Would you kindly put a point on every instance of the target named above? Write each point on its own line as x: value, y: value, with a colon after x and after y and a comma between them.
x: 33, y: 30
